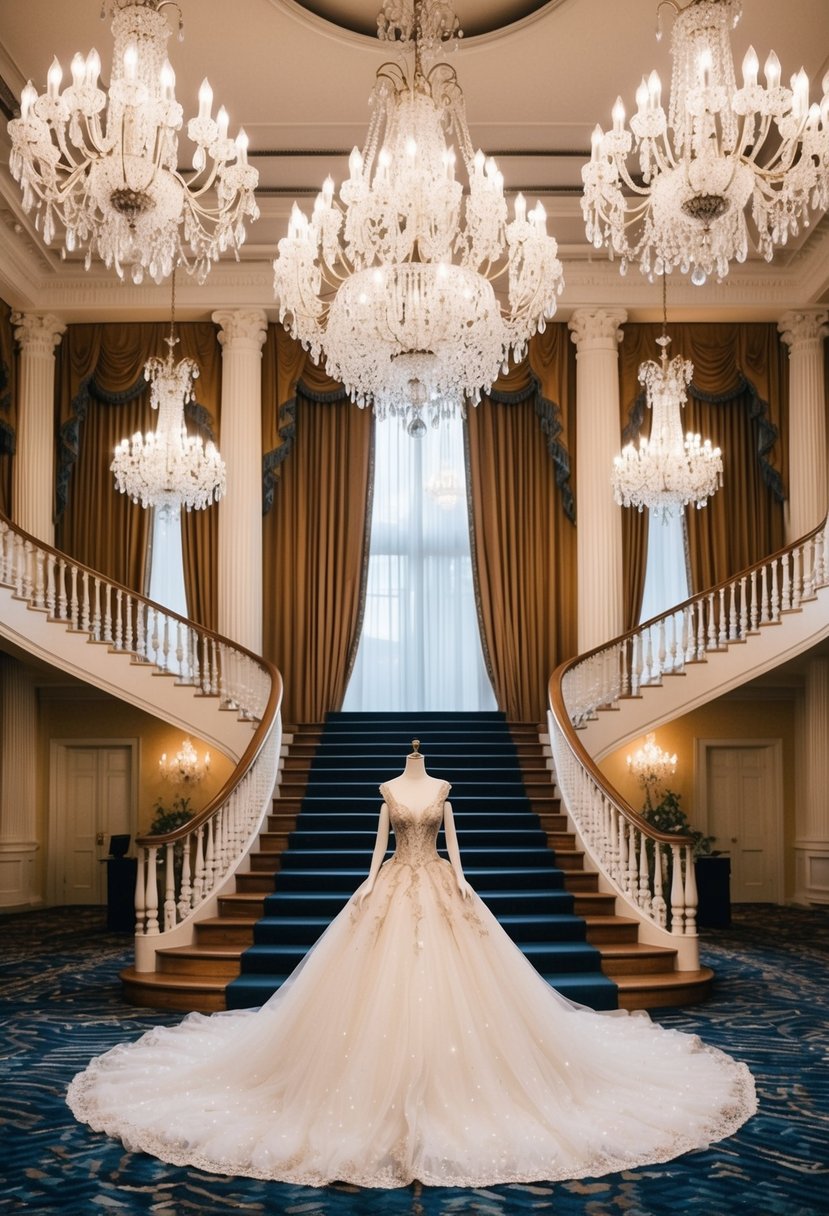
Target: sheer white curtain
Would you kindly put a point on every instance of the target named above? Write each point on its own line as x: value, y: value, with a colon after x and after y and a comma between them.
x: 420, y: 645
x: 167, y: 563
x: 666, y: 580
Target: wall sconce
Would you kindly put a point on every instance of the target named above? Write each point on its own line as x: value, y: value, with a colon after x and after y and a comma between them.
x: 185, y: 768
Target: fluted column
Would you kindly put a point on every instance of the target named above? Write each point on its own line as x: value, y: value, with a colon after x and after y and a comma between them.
x: 597, y: 335
x: 18, y: 808
x: 803, y: 333
x: 34, y: 462
x: 812, y: 839
x: 241, y: 334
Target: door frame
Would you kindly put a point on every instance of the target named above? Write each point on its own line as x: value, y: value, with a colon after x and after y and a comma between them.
x: 57, y: 781
x: 701, y: 816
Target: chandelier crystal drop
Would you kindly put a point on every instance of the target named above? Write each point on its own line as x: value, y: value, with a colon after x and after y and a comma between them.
x: 668, y: 471
x: 167, y: 468
x: 105, y: 167
x: 392, y: 281
x: 717, y: 151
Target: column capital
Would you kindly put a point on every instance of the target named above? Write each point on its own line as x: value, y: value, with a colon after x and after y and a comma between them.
x: 241, y: 327
x: 39, y: 334
x: 597, y: 328
x: 798, y: 327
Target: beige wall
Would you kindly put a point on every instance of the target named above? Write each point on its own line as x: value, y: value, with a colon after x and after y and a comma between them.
x: 749, y: 716
x: 65, y: 713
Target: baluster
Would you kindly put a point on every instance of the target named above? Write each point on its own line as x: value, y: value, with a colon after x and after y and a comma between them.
x: 649, y: 655
x: 154, y: 639
x: 128, y: 624
x: 170, y: 887
x: 764, y: 596
x: 139, y: 893
x: 672, y: 663
x: 732, y: 612
x: 658, y: 906
x: 39, y: 589
x: 195, y: 667
x: 754, y: 606
x: 165, y: 665
x: 185, y: 902
x: 820, y: 559
x: 19, y: 567
x: 691, y: 897
x: 179, y: 651
x: 50, y: 585
x: 687, y: 635
x: 28, y: 571
x: 96, y: 611
x: 712, y: 624
x: 4, y: 533
x: 632, y: 883
x: 743, y: 608
x: 108, y: 636
x: 645, y: 901
x: 199, y: 884
x: 621, y: 875
x: 677, y: 892
x: 75, y: 607
x: 797, y: 590
x: 151, y: 902
x: 119, y: 619
x: 209, y: 863
x: 700, y: 647
x: 810, y: 568
x: 215, y: 688
x: 786, y: 595
x: 775, y: 594
x: 722, y: 632
x: 85, y: 606
x: 625, y: 669
x: 140, y: 634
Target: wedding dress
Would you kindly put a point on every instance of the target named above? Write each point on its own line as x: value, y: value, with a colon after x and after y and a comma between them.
x: 414, y: 1041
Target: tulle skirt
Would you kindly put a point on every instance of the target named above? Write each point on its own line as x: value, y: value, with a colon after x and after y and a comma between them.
x: 414, y: 1041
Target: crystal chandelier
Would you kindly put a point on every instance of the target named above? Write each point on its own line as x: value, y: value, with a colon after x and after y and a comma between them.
x: 650, y: 763
x: 393, y: 281
x: 186, y: 767
x: 718, y: 150
x: 106, y: 167
x: 668, y: 471
x: 167, y: 468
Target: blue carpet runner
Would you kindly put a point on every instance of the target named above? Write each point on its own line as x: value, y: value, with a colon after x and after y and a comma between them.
x: 503, y: 848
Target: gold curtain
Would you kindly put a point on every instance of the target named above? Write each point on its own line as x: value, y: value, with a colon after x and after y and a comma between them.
x: 315, y: 540
x: 523, y: 544
x: 8, y: 406
x: 102, y: 397
x: 739, y: 399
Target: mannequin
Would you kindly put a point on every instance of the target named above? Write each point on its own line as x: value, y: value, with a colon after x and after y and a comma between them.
x: 416, y: 790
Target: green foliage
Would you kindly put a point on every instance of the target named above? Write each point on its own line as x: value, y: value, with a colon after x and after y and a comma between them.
x: 167, y: 819
x: 668, y: 816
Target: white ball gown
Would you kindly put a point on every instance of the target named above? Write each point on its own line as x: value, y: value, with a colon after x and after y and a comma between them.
x: 414, y: 1042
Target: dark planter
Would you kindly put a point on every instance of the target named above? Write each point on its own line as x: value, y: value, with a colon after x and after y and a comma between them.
x: 714, y: 890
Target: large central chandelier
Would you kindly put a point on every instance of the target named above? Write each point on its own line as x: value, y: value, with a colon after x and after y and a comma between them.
x: 167, y: 468
x: 392, y: 282
x: 718, y: 150
x: 669, y: 470
x: 105, y: 167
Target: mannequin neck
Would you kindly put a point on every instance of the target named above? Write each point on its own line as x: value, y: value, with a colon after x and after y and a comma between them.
x: 415, y: 767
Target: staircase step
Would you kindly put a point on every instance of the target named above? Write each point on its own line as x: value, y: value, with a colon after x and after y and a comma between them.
x: 225, y: 931
x: 156, y: 990
x: 635, y: 958
x: 601, y: 929
x: 214, y: 962
x: 664, y: 989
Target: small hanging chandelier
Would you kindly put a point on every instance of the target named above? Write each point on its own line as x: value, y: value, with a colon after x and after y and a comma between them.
x: 717, y: 150
x: 650, y: 763
x: 186, y: 767
x: 393, y: 282
x: 167, y: 468
x: 668, y: 471
x: 106, y: 167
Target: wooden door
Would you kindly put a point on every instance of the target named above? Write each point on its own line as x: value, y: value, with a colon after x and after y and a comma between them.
x: 744, y: 817
x: 93, y: 800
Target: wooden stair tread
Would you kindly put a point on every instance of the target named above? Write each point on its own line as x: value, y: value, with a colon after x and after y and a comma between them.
x: 169, y: 979
x: 664, y: 979
x: 640, y: 949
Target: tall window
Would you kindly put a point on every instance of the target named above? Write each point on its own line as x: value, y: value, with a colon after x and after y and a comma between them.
x: 166, y: 585
x: 420, y: 645
x: 666, y: 576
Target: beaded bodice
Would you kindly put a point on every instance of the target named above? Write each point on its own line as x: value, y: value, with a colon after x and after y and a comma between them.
x: 415, y: 832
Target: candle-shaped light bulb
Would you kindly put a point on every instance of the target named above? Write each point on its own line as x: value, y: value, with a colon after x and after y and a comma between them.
x: 618, y: 116
x: 704, y: 66
x: 205, y: 99
x: 411, y: 147
x: 167, y: 80
x: 520, y: 208
x: 655, y: 89
x: 596, y: 142
x: 53, y: 78
x: 78, y: 69
x: 540, y: 217
x: 328, y: 190
x: 642, y: 95
x: 242, y: 143
x: 449, y: 163
x: 479, y: 161
x: 355, y: 164
x: 772, y: 71
x: 751, y: 66
x: 27, y: 99
x: 222, y: 121
x: 800, y: 91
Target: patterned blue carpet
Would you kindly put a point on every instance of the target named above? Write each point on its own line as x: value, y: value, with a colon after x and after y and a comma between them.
x: 60, y: 1004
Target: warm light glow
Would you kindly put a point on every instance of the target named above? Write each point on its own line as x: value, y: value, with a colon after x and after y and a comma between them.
x: 391, y: 283
x: 105, y: 167
x: 677, y: 188
x: 186, y: 767
x: 650, y: 763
